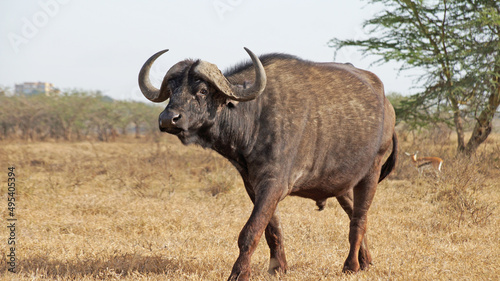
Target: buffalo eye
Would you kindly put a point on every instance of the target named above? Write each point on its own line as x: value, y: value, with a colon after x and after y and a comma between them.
x: 203, y: 92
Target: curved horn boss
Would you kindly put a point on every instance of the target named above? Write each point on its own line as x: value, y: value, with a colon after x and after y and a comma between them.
x: 211, y: 73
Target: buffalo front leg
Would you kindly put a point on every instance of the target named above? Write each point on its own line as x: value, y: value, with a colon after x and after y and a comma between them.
x: 266, y: 201
x: 274, y: 238
x: 363, y: 193
x: 364, y: 256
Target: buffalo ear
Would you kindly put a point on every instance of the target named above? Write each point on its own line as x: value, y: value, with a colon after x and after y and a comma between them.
x: 231, y: 103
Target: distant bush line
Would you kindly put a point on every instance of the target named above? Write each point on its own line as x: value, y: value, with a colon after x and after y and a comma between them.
x: 75, y: 116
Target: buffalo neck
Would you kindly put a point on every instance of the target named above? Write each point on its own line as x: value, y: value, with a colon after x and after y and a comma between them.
x: 234, y: 131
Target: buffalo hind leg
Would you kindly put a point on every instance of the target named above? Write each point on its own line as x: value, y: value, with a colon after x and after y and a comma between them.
x: 364, y: 256
x: 274, y: 238
x: 363, y: 194
x: 265, y: 205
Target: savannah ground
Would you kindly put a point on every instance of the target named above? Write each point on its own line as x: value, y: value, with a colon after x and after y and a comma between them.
x: 138, y: 209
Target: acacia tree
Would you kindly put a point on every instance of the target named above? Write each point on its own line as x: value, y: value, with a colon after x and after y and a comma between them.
x: 457, y: 44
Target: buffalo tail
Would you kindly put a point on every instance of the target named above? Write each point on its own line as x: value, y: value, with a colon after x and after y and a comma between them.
x: 390, y: 163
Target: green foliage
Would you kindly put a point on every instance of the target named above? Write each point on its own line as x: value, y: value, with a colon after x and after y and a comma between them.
x: 395, y: 98
x: 73, y: 115
x: 457, y: 44
x: 420, y: 117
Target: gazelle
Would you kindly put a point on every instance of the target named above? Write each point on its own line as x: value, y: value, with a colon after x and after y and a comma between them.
x: 422, y: 162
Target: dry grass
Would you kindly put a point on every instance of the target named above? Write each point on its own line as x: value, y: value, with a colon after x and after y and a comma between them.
x: 139, y: 210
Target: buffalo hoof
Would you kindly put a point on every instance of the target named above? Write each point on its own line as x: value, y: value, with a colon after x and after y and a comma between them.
x: 351, y: 267
x: 239, y: 276
x: 364, y: 262
x: 364, y: 258
x: 277, y: 267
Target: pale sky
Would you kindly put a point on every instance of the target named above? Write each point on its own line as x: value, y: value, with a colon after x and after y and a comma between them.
x: 101, y: 45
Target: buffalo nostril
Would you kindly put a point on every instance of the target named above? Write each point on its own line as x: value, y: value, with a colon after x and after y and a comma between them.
x: 176, y: 118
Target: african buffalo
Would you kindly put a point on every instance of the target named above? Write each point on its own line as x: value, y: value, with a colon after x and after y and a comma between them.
x: 290, y: 127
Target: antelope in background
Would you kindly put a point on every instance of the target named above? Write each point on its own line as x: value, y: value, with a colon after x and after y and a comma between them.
x: 423, y: 162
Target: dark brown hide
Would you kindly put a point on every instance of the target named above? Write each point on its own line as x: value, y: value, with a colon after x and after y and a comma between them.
x: 318, y: 130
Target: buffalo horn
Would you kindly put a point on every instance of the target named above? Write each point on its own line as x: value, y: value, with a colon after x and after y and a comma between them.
x: 211, y: 73
x: 245, y: 94
x: 148, y: 90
